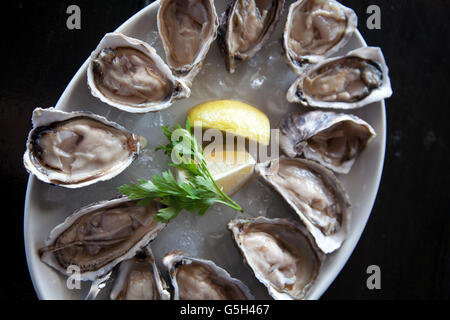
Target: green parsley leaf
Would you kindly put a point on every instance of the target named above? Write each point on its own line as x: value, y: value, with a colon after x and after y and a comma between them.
x: 196, y: 195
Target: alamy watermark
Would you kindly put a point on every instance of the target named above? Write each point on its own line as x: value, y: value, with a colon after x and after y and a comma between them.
x: 374, y: 280
x: 74, y: 280
x: 218, y: 143
x: 74, y: 20
x: 374, y: 20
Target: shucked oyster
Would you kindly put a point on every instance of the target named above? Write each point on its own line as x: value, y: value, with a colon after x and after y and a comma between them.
x: 187, y: 29
x: 128, y: 74
x: 198, y: 279
x: 76, y: 149
x: 316, y: 196
x: 352, y: 81
x: 315, y: 29
x: 98, y: 237
x: 334, y: 140
x: 281, y: 253
x: 245, y: 27
x: 139, y: 279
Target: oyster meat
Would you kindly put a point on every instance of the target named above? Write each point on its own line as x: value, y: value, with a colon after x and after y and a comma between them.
x: 245, y: 27
x: 198, y: 279
x: 127, y: 73
x: 352, y: 81
x: 316, y: 29
x: 332, y: 139
x: 98, y: 237
x: 281, y: 253
x: 139, y: 279
x: 316, y: 196
x: 76, y: 149
x: 187, y: 29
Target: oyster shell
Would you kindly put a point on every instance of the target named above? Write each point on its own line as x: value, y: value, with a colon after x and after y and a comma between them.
x: 352, y: 81
x: 245, y: 27
x: 198, y: 279
x: 187, y: 29
x: 127, y: 73
x: 316, y: 196
x: 77, y: 149
x: 281, y: 253
x: 98, y: 237
x: 332, y: 139
x: 139, y: 279
x: 316, y: 29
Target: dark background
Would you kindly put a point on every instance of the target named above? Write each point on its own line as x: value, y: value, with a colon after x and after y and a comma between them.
x: 408, y: 232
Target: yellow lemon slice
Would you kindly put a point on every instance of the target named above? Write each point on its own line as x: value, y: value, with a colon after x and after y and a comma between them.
x: 230, y: 169
x: 234, y: 117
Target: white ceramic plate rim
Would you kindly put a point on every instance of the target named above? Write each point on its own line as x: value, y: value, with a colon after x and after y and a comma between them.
x: 346, y: 251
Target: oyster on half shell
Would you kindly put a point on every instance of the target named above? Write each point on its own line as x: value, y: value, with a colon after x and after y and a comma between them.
x: 77, y: 149
x: 187, y: 29
x: 281, y: 253
x: 139, y: 279
x: 199, y: 279
x: 98, y: 237
x: 316, y: 196
x: 314, y: 30
x: 352, y: 81
x: 245, y: 27
x: 128, y: 74
x: 332, y: 139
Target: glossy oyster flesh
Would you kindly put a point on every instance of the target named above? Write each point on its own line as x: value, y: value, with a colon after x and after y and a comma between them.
x: 187, y: 29
x: 127, y: 73
x: 198, y: 279
x: 76, y: 149
x: 139, y: 279
x: 352, y: 81
x: 332, y: 139
x: 281, y: 253
x: 316, y: 29
x: 316, y: 196
x: 100, y: 236
x: 245, y: 27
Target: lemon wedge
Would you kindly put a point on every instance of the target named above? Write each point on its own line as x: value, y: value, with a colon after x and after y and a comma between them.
x: 234, y: 117
x: 230, y: 169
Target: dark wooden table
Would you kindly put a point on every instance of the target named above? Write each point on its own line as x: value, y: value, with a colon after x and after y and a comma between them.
x: 408, y: 232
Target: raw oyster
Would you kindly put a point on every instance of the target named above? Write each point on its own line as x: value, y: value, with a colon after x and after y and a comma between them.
x: 332, y: 139
x: 139, y: 279
x: 316, y: 29
x: 352, y: 81
x: 187, y: 29
x: 281, y: 253
x: 316, y: 196
x: 245, y: 27
x: 77, y: 149
x: 198, y: 279
x: 98, y: 237
x: 127, y: 73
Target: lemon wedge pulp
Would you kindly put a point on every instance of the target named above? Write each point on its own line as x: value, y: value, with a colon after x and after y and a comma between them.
x: 230, y: 169
x: 234, y: 117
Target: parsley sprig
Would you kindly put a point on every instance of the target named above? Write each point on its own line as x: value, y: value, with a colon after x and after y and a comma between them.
x: 196, y: 194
